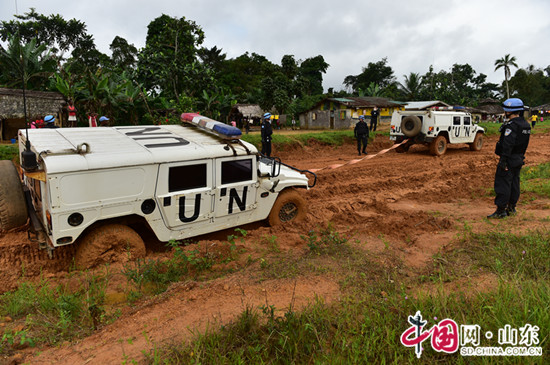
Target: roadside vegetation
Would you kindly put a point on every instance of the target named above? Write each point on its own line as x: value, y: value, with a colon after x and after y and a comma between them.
x: 366, y: 324
x: 8, y: 151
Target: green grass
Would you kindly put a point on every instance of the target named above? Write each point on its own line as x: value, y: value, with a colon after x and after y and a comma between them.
x: 362, y: 331
x: 8, y: 151
x: 536, y: 179
x: 49, y: 313
x: 364, y: 327
x: 492, y: 129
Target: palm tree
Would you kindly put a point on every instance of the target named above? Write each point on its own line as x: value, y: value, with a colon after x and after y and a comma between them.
x: 411, y: 87
x: 505, y: 62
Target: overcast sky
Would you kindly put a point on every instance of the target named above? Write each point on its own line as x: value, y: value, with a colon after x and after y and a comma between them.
x: 412, y: 34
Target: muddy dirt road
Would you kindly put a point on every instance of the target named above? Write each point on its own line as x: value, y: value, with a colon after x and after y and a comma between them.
x: 414, y: 202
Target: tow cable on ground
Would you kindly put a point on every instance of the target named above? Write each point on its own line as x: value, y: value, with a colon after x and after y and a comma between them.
x: 351, y: 162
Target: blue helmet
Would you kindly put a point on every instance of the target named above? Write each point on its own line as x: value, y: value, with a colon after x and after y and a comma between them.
x: 103, y: 119
x: 513, y: 105
x: 361, y: 117
x: 267, y: 116
x: 49, y: 119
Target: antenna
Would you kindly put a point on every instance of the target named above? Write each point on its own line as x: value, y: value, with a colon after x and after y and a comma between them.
x: 28, y: 157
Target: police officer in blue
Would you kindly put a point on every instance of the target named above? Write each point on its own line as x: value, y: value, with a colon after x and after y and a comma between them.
x: 267, y: 131
x: 361, y: 133
x: 49, y: 122
x: 511, y: 147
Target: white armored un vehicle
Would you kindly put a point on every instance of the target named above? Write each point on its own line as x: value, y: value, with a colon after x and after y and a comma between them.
x: 95, y: 187
x: 436, y: 128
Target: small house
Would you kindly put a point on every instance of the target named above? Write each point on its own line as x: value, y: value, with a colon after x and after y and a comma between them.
x: 38, y: 103
x: 343, y: 113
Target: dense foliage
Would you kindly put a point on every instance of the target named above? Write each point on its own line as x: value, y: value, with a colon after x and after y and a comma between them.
x: 175, y: 73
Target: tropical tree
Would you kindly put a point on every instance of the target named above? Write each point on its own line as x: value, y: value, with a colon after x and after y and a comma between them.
x: 169, y: 65
x: 53, y: 31
x: 411, y: 88
x: 505, y: 63
x: 29, y: 64
x: 378, y: 73
x: 312, y: 70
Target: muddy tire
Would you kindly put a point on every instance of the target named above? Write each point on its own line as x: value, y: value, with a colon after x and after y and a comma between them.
x: 13, y: 209
x: 411, y: 125
x: 477, y: 144
x: 290, y: 206
x: 108, y: 243
x: 403, y: 148
x: 438, y: 147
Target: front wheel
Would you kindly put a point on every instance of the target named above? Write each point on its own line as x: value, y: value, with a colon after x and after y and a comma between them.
x: 438, y: 147
x: 477, y: 144
x: 108, y: 243
x: 290, y: 206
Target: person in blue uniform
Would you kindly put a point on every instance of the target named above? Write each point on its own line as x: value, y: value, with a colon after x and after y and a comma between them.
x: 49, y: 122
x: 374, y: 119
x: 267, y: 131
x: 511, y: 147
x: 361, y: 133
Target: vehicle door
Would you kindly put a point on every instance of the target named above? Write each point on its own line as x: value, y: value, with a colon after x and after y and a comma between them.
x: 456, y: 135
x: 236, y: 184
x: 184, y: 193
x: 469, y: 129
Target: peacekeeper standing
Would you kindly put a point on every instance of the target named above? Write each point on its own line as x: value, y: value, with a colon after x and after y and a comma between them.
x: 267, y: 131
x: 374, y: 118
x: 511, y: 147
x: 49, y: 122
x: 361, y: 133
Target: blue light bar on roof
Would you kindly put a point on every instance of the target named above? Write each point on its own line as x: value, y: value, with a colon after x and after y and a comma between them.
x: 210, y: 125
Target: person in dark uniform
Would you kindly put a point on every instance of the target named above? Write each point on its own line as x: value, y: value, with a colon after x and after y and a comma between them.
x: 267, y: 131
x: 361, y: 133
x: 374, y: 118
x: 49, y: 122
x: 511, y: 147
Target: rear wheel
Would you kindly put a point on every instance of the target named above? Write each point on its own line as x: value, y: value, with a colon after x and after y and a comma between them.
x: 477, y: 144
x: 108, y: 243
x: 13, y: 209
x: 290, y: 206
x: 403, y: 148
x: 438, y: 146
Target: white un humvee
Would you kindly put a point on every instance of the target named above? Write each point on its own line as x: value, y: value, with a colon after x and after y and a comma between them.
x: 435, y: 128
x: 97, y: 186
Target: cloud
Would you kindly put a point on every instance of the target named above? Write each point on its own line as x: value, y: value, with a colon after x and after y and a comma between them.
x: 412, y: 34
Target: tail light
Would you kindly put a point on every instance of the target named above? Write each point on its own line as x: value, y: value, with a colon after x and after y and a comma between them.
x: 49, y: 219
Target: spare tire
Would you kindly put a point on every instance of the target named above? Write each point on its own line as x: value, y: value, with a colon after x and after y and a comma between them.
x: 411, y: 125
x: 13, y: 209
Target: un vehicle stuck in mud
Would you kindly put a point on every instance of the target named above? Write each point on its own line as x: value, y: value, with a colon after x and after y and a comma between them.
x: 98, y: 187
x: 436, y: 129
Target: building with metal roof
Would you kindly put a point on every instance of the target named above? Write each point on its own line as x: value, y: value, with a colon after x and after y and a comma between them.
x: 343, y: 113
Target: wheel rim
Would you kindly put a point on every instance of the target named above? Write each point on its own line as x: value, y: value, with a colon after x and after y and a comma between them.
x: 441, y: 147
x: 288, y: 212
x: 479, y: 142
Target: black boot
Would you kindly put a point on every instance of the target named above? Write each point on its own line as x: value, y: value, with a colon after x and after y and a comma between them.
x: 498, y: 214
x: 511, y: 209
x: 359, y: 153
x: 364, y: 152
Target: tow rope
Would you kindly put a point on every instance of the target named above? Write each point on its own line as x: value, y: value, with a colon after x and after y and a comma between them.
x: 351, y: 162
